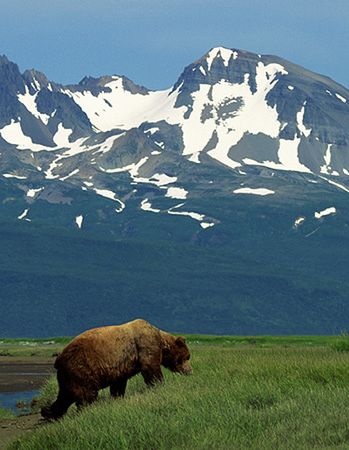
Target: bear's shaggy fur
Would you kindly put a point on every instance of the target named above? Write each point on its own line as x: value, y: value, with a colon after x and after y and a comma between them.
x: 109, y: 356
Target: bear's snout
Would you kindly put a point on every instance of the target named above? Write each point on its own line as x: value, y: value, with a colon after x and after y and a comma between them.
x: 186, y: 369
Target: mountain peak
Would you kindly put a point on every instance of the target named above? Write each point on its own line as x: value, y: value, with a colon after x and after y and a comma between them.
x: 220, y: 52
x: 35, y: 79
x: 220, y: 63
x: 105, y: 82
x: 10, y: 76
x: 4, y: 59
x: 88, y: 81
x: 227, y: 55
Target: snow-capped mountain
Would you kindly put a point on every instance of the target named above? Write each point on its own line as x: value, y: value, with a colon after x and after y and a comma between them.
x: 243, y: 151
x: 218, y: 103
x: 230, y: 107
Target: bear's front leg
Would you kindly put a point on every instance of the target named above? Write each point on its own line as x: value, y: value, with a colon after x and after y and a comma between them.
x: 59, y: 407
x: 118, y: 388
x: 152, y: 375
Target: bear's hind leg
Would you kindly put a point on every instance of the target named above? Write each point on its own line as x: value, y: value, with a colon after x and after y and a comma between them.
x: 117, y: 388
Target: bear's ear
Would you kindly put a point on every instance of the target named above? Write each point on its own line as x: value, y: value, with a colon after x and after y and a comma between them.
x: 180, y: 341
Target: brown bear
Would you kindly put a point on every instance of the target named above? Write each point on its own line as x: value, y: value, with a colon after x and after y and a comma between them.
x: 109, y: 356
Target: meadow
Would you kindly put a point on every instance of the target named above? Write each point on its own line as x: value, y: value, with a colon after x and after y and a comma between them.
x: 245, y: 393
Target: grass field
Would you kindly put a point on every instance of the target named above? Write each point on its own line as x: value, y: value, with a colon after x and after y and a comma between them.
x: 245, y: 393
x: 23, y: 347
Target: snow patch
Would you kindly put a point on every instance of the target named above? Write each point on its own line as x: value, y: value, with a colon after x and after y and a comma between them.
x: 29, y: 101
x: 61, y: 137
x: 254, y: 115
x: 131, y: 168
x: 299, y: 221
x: 112, y: 196
x: 108, y: 143
x: 160, y: 144
x: 74, y: 172
x: 12, y: 175
x: 146, y: 206
x: 325, y: 212
x: 152, y: 130
x: 334, y: 183
x: 32, y: 192
x: 121, y: 207
x: 193, y: 215
x: 13, y: 134
x: 205, y: 225
x: 342, y: 99
x: 106, y: 193
x: 288, y: 156
x: 327, y: 156
x: 326, y: 168
x: 24, y: 215
x: 300, y: 122
x: 159, y: 179
x: 127, y: 110
x: 253, y: 191
x: 195, y: 157
x: 224, y: 53
x: 53, y: 165
x: 79, y: 220
x: 176, y: 192
x: 37, y: 85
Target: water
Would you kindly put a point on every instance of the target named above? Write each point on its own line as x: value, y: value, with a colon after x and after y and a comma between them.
x: 8, y: 400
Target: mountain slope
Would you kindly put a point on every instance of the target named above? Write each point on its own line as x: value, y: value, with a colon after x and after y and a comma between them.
x: 218, y: 205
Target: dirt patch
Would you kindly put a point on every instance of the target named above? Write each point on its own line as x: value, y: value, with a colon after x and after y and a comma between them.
x: 12, y: 429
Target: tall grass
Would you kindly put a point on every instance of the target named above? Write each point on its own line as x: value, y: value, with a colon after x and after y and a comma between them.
x: 238, y: 398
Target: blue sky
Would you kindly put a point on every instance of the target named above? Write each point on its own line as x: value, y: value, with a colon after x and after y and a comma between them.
x: 152, y: 41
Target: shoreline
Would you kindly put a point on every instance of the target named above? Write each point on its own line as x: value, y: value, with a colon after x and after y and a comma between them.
x: 19, y: 374
x: 24, y: 373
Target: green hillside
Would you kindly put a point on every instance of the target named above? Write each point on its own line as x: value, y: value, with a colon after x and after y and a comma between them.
x: 56, y: 281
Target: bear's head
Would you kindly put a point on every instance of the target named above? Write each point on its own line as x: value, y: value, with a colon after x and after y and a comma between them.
x: 176, y: 355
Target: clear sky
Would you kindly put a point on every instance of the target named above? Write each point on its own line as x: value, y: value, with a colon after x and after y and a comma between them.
x: 152, y: 41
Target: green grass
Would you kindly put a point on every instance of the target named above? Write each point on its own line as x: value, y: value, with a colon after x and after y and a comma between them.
x: 32, y: 347
x: 341, y: 343
x: 239, y: 397
x: 35, y: 341
x: 23, y: 347
x: 262, y: 341
x: 6, y: 414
